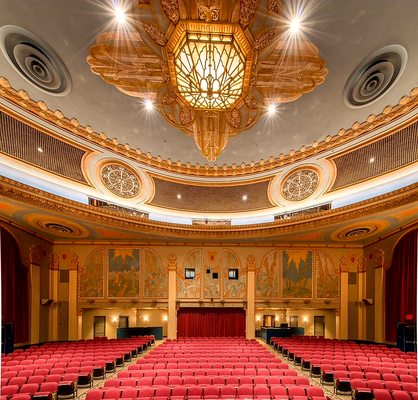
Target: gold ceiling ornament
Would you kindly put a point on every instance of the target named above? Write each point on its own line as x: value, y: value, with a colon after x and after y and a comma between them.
x: 211, y: 66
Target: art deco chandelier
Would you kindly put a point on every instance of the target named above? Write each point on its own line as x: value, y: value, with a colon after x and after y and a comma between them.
x: 210, y: 66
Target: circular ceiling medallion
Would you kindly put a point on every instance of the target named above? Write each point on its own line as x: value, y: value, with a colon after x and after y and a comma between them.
x: 120, y: 180
x: 375, y: 76
x: 35, y: 60
x: 300, y: 184
x: 56, y: 226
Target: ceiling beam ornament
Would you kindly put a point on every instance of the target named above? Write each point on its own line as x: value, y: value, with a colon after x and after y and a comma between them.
x: 211, y: 66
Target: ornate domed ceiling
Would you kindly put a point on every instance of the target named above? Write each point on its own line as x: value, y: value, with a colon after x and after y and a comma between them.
x: 286, y: 119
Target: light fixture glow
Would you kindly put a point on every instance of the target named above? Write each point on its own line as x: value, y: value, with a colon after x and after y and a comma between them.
x: 179, y: 196
x: 40, y: 149
x: 145, y: 318
x: 294, y: 26
x: 165, y: 318
x: 372, y: 160
x: 244, y: 197
x: 209, y: 70
x: 271, y: 109
x: 149, y: 105
x: 120, y: 15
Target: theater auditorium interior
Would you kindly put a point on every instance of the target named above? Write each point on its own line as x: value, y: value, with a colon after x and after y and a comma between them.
x: 208, y: 199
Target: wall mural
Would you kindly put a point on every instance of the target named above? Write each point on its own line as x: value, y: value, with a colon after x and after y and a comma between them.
x: 233, y: 288
x: 297, y: 274
x: 190, y: 288
x: 90, y: 275
x: 327, y: 277
x: 123, y: 272
x: 267, y: 276
x: 155, y: 276
x: 212, y: 274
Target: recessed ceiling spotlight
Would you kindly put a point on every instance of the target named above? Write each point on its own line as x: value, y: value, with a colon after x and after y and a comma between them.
x: 294, y: 25
x: 271, y: 109
x: 371, y: 161
x: 120, y: 15
x: 40, y: 149
x: 179, y: 196
x: 244, y: 197
x: 149, y: 105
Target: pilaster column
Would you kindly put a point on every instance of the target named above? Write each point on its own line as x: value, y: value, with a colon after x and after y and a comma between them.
x: 379, y: 294
x: 172, y: 297
x: 250, y: 315
x: 361, y: 287
x: 72, y: 299
x: 344, y: 299
x: 35, y: 292
x: 53, y: 295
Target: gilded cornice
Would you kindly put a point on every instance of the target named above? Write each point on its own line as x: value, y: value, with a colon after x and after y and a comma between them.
x: 40, y: 109
x: 38, y: 198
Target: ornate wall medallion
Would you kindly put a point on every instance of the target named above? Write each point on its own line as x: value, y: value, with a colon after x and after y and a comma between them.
x: 300, y: 185
x: 120, y: 180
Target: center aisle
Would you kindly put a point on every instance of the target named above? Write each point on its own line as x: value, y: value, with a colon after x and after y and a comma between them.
x: 208, y: 368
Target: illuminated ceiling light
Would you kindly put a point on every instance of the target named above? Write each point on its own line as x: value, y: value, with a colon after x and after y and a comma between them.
x: 294, y: 25
x: 120, y: 15
x: 40, y: 149
x: 372, y: 160
x: 208, y: 71
x: 271, y: 109
x: 149, y: 105
x: 179, y: 196
x: 244, y: 197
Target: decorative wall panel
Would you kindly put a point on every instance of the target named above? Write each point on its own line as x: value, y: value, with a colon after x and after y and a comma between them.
x: 233, y: 288
x: 327, y: 277
x: 155, y: 276
x: 91, y: 275
x: 123, y: 272
x: 267, y: 276
x: 297, y: 274
x: 190, y: 288
x: 212, y: 274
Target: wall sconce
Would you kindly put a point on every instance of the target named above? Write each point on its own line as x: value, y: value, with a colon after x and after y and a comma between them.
x: 165, y: 318
x: 257, y: 318
x: 145, y: 317
x: 305, y: 320
x: 115, y: 319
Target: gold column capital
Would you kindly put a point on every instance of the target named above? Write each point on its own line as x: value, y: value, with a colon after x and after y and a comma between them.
x: 172, y: 262
x: 251, y: 263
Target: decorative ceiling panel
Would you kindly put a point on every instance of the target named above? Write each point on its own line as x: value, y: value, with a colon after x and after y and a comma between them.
x: 34, y: 147
x: 385, y: 155
x: 182, y: 197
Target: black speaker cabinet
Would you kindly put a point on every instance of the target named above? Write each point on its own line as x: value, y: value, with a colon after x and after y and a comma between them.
x: 7, y: 337
x: 407, y: 336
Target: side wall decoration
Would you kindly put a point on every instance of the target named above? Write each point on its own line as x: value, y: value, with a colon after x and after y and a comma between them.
x: 91, y: 275
x: 190, y: 288
x: 297, y: 274
x: 123, y: 272
x: 267, y: 276
x: 233, y: 288
x: 327, y: 277
x: 155, y: 275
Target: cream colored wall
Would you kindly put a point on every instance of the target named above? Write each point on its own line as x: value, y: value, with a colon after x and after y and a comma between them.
x: 306, y: 320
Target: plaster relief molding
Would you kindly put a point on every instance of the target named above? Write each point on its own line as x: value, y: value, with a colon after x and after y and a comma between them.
x: 40, y: 109
x: 362, y: 265
x: 74, y: 263
x: 172, y: 262
x: 251, y: 263
x: 54, y: 262
x: 55, y: 204
x: 35, y: 255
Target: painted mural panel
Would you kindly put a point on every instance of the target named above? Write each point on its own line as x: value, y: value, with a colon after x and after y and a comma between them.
x: 327, y: 277
x: 297, y: 274
x: 267, y: 276
x: 90, y: 275
x: 233, y: 287
x: 123, y: 272
x: 212, y: 274
x: 155, y: 276
x: 190, y: 288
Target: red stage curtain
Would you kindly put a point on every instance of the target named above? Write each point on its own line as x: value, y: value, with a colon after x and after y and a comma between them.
x: 401, y: 284
x: 210, y: 322
x: 14, y: 288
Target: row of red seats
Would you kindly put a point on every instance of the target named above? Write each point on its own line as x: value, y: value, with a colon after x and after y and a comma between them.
x: 208, y: 380
x: 270, y: 364
x: 209, y: 392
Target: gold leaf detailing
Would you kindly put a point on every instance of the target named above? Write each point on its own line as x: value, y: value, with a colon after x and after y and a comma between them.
x: 247, y: 12
x: 234, y: 118
x: 185, y: 116
x: 155, y: 34
x: 171, y: 9
x: 263, y: 39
